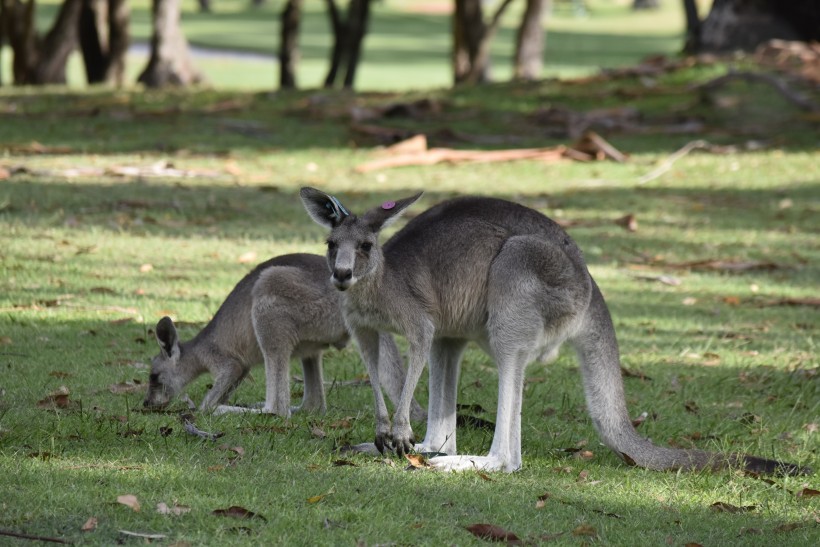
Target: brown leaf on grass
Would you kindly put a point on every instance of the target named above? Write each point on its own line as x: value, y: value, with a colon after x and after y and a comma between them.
x: 237, y: 512
x: 808, y: 493
x: 318, y: 432
x: 177, y: 510
x: 693, y: 544
x: 59, y: 374
x: 417, y: 461
x: 542, y: 500
x: 247, y: 258
x: 56, y: 399
x: 584, y: 530
x: 102, y: 290
x: 491, y: 532
x: 131, y: 386
x: 129, y: 500
x: 628, y: 373
x: 238, y: 450
x: 316, y: 499
x: 343, y: 463
x: 691, y: 406
x: 628, y: 222
x: 5, y: 341
x: 640, y: 419
x: 484, y: 476
x: 344, y: 423
x: 722, y: 507
x: 790, y: 526
x: 596, y: 146
x: 89, y: 525
x: 4, y: 173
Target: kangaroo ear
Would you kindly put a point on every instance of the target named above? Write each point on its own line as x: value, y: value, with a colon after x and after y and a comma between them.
x: 388, y: 212
x: 323, y: 208
x: 167, y: 337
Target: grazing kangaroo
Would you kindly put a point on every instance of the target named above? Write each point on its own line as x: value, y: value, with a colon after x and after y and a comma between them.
x: 501, y: 275
x: 285, y: 308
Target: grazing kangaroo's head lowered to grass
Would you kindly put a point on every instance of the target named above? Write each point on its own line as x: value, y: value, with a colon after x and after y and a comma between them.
x: 501, y: 275
x: 284, y: 308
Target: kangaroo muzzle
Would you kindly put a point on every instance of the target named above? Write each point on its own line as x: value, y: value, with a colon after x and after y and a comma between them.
x: 342, y: 278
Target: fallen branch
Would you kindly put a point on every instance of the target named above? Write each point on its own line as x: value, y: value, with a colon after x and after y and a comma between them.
x: 441, y: 155
x: 797, y: 99
x: 188, y: 424
x: 17, y: 535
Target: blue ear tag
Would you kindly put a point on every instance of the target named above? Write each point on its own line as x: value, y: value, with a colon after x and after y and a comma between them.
x: 337, y: 209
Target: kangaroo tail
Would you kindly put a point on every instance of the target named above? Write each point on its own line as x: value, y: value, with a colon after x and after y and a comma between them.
x: 597, y: 350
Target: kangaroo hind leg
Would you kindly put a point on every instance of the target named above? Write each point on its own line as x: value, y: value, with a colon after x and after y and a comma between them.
x: 314, y: 397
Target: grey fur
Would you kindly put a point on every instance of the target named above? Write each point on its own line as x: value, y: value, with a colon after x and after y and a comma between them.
x: 501, y: 275
x: 285, y: 308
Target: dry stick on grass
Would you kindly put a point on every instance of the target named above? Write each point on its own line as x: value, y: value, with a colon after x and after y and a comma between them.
x: 666, y: 165
x: 791, y: 95
x: 188, y: 424
x: 9, y: 533
x: 439, y: 155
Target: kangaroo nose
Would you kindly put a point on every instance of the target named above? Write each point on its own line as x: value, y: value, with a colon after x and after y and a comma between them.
x: 343, y: 275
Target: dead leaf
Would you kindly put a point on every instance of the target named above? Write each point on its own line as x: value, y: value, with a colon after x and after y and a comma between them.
x: 542, y: 500
x: 344, y: 423
x: 145, y: 268
x: 318, y: 432
x: 59, y: 374
x: 691, y: 406
x: 722, y: 507
x: 484, y: 476
x: 788, y: 527
x: 628, y: 223
x: 584, y: 530
x: 237, y: 512
x: 5, y: 341
x: 247, y: 258
x: 417, y: 461
x: 89, y: 525
x: 316, y: 499
x: 596, y: 146
x: 491, y: 532
x: 102, y: 290
x: 55, y: 399
x: 731, y: 300
x: 582, y: 476
x: 129, y: 500
x: 808, y: 493
x: 343, y: 463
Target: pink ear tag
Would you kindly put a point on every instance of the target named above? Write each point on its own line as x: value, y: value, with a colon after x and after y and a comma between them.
x: 387, y: 205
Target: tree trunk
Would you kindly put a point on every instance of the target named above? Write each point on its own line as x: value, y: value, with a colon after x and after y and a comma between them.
x: 289, y: 44
x: 339, y: 29
x: 645, y: 4
x: 471, y: 40
x: 348, y: 36
x: 40, y: 59
x: 745, y: 24
x: 357, y: 18
x: 692, y: 43
x: 170, y: 63
x: 529, y: 43
x: 104, y: 40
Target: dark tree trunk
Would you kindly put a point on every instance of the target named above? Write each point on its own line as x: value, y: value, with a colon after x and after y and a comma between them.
x: 40, y: 59
x: 645, y: 4
x: 348, y: 36
x: 471, y: 40
x: 692, y: 40
x: 529, y: 43
x: 357, y: 18
x: 104, y: 40
x: 745, y: 24
x: 170, y: 62
x: 289, y: 44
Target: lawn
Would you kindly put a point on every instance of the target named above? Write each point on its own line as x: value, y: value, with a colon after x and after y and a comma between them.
x: 119, y: 207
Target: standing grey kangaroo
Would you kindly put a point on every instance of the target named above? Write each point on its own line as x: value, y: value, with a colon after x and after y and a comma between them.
x: 501, y: 275
x: 284, y: 308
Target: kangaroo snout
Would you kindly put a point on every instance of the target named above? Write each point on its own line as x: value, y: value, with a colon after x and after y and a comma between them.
x: 342, y: 278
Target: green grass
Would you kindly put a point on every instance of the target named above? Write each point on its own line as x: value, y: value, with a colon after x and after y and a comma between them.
x: 404, y: 49
x: 77, y: 309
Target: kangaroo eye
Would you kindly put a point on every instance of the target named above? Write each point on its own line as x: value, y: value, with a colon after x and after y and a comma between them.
x: 331, y: 245
x: 366, y: 246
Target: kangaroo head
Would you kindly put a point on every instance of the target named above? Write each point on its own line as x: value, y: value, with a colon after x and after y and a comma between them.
x: 165, y: 380
x: 353, y: 249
